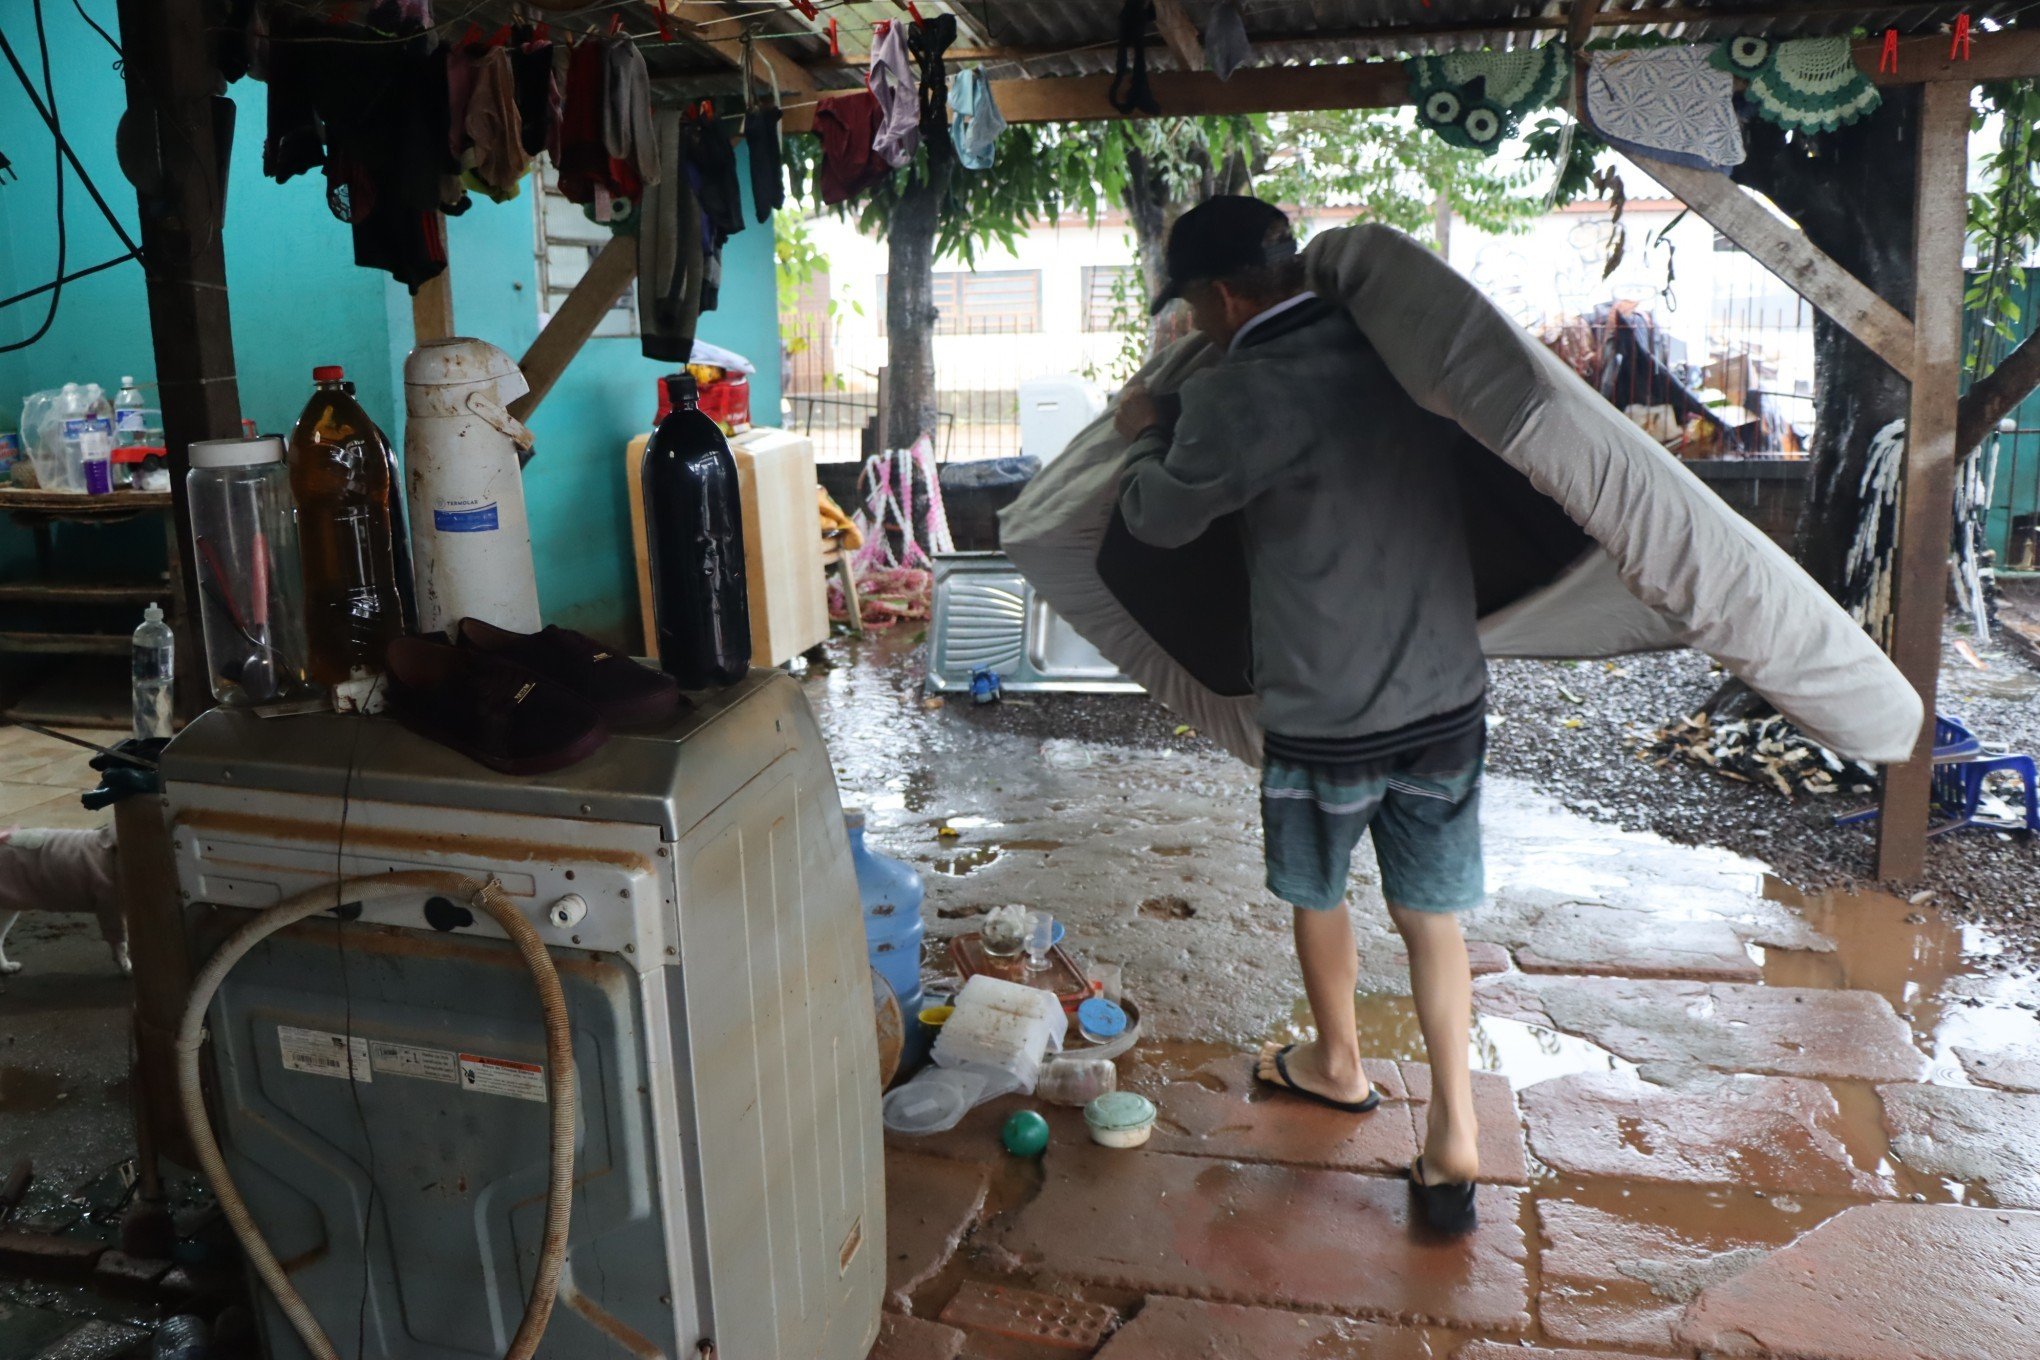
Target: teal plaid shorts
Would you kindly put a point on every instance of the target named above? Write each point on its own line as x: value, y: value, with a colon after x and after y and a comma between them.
x: 1426, y: 829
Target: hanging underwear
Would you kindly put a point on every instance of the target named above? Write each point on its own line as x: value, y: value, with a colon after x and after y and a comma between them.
x: 928, y: 40
x: 768, y: 174
x: 975, y: 121
x: 891, y: 82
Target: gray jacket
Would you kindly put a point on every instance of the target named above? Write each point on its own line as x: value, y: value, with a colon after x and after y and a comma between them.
x: 1361, y: 583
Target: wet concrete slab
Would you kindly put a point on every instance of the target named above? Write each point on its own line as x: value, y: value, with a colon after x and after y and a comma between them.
x: 1624, y: 1278
x: 1675, y: 1028
x: 1589, y: 939
x: 1325, y: 1241
x: 930, y: 1203
x: 1884, y: 1282
x: 1494, y: 1108
x: 1775, y: 1134
x: 1220, y: 1110
x: 2016, y: 1069
x: 911, y: 1338
x: 1495, y: 1350
x: 1192, y: 1329
x: 1981, y: 1138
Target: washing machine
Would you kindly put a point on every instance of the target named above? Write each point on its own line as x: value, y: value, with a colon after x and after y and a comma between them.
x: 378, y: 1071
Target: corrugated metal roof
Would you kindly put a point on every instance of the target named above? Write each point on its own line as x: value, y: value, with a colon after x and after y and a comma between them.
x: 1079, y: 37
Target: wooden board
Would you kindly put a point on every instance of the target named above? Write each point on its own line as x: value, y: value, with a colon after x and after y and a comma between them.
x: 782, y: 544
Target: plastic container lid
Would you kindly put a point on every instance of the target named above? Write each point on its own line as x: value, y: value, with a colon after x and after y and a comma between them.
x: 329, y: 373
x: 853, y: 818
x: 1100, y: 1020
x: 223, y: 453
x: 1119, y: 1110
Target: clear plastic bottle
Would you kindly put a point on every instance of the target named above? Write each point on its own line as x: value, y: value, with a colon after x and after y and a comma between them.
x: 154, y: 669
x: 130, y: 423
x: 344, y: 476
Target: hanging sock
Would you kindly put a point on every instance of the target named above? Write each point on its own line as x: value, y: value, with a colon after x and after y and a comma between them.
x: 1667, y: 102
x: 1130, y: 92
x: 496, y: 160
x: 848, y: 127
x: 1226, y: 45
x: 1804, y: 84
x: 768, y: 173
x: 928, y: 40
x: 891, y: 81
x: 1474, y: 99
x: 722, y: 199
x: 975, y: 121
x: 671, y: 258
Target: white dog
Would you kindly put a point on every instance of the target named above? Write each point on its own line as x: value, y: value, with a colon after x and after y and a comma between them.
x: 45, y: 870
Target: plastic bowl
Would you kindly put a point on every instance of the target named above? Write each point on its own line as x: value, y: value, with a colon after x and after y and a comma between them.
x: 1120, y: 1119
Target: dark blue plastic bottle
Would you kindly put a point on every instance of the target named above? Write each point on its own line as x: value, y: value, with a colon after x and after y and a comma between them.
x: 694, y: 528
x: 891, y: 893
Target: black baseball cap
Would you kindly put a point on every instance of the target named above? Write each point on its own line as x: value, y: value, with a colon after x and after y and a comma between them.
x: 1223, y: 236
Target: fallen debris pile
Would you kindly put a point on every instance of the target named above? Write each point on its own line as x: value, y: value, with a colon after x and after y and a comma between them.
x: 1761, y: 750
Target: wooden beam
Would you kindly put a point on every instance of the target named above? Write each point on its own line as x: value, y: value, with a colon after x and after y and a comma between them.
x: 1926, y: 61
x: 432, y: 308
x: 1180, y: 34
x: 725, y: 40
x: 609, y: 273
x: 1579, y: 22
x: 170, y: 79
x: 1927, y: 480
x: 1785, y: 251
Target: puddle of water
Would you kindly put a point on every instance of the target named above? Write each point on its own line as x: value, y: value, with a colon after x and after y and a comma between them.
x: 23, y: 1091
x: 1524, y: 1053
x: 964, y: 861
x: 1914, y: 957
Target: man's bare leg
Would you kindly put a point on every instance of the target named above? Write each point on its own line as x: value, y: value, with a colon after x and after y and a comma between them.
x: 1329, y: 1064
x: 1441, y: 982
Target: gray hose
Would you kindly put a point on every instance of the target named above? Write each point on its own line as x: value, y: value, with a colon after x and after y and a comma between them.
x: 487, y: 896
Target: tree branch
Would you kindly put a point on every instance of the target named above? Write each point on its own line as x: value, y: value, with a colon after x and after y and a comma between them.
x: 1995, y: 396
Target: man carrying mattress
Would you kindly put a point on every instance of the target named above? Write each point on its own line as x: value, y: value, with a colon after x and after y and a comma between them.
x: 1371, y: 682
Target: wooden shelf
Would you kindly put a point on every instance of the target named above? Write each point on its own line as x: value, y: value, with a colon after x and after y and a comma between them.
x: 73, y: 505
x: 66, y: 644
x: 89, y: 592
x: 71, y: 694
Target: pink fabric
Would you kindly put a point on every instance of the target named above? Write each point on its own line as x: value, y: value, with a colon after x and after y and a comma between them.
x: 898, y: 93
x: 46, y: 870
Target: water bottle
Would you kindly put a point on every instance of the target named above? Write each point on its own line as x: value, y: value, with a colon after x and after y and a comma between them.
x: 694, y: 531
x: 95, y: 452
x: 154, y: 666
x: 181, y: 1338
x: 891, y: 893
x: 130, y: 421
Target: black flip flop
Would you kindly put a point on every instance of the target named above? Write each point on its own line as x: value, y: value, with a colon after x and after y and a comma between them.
x: 1448, y: 1207
x: 1288, y: 1084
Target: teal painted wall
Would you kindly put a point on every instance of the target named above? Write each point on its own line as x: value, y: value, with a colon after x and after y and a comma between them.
x: 297, y: 300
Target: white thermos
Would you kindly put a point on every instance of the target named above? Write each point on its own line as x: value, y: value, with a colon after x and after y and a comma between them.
x: 470, y: 541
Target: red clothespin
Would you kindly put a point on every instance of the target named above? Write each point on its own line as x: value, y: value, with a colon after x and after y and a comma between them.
x: 502, y: 37
x: 1962, y: 49
x: 807, y: 9
x: 665, y: 29
x: 909, y: 7
x: 473, y: 37
x: 835, y: 45
x: 542, y: 32
x: 1887, y: 60
x: 615, y: 24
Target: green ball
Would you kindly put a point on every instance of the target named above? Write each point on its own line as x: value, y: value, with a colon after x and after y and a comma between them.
x: 1025, y: 1134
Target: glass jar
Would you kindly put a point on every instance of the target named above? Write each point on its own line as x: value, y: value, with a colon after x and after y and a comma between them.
x: 250, y: 586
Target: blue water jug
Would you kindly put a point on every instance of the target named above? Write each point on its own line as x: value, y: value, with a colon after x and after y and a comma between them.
x: 891, y: 893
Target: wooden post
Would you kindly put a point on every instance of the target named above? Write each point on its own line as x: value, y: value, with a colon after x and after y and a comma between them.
x: 432, y: 307
x: 1927, y: 485
x: 171, y: 87
x: 609, y: 273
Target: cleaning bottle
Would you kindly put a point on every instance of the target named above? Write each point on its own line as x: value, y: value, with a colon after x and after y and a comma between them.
x: 343, y: 476
x: 694, y: 528
x: 155, y: 649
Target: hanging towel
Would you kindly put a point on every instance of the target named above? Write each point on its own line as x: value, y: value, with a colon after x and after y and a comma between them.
x: 670, y: 257
x: 768, y: 175
x: 898, y: 133
x: 975, y: 121
x: 1667, y: 102
x: 1226, y: 46
x: 847, y: 127
x: 1803, y: 84
x: 496, y: 159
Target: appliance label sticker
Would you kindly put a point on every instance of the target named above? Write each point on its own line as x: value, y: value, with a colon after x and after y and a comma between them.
x: 427, y: 1064
x: 479, y: 520
x: 501, y: 1077
x: 324, y: 1054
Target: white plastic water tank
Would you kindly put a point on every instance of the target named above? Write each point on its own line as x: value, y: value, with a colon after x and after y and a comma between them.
x: 1053, y: 409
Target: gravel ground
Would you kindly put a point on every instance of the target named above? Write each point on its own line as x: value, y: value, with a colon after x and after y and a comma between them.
x: 1585, y: 754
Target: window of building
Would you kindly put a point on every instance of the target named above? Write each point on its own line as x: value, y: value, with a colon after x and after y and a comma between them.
x: 567, y: 242
x: 989, y: 302
x: 1109, y: 289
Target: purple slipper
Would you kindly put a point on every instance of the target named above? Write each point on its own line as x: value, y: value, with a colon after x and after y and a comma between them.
x: 512, y: 720
x: 625, y: 693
